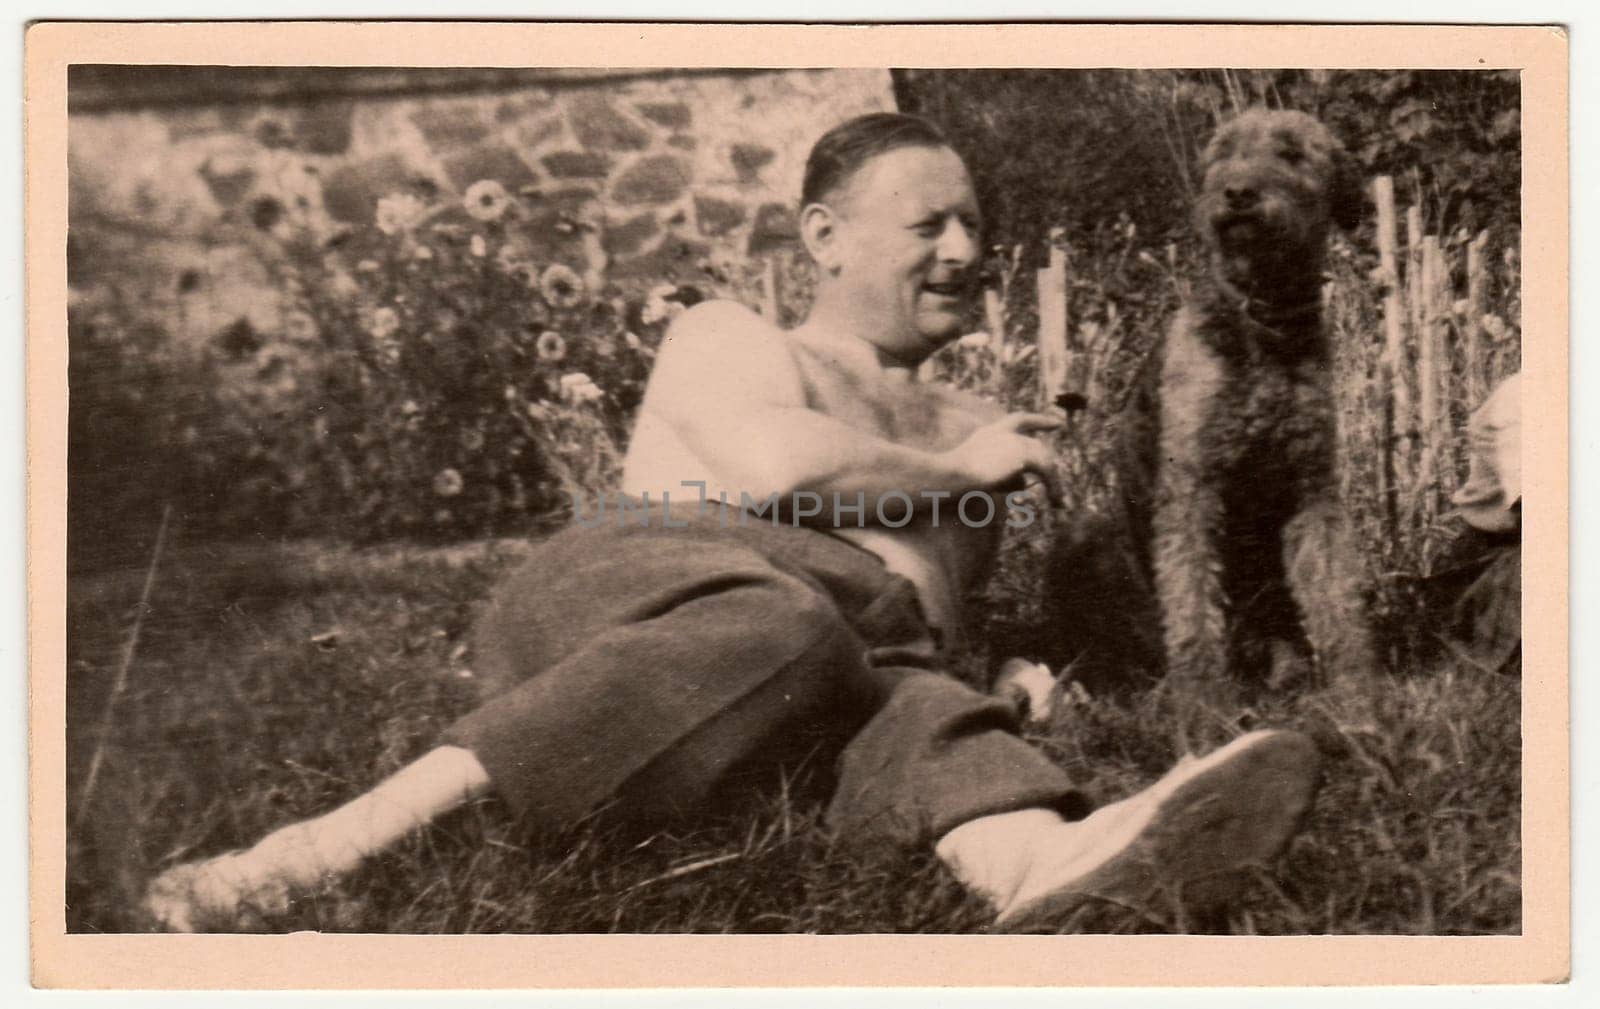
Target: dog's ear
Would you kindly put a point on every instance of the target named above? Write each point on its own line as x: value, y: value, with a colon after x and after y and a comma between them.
x: 1347, y: 191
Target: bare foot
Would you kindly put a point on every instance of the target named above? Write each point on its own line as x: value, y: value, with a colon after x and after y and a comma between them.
x: 221, y: 890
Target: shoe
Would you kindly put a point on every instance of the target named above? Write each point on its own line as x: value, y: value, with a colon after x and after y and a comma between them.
x: 1208, y: 817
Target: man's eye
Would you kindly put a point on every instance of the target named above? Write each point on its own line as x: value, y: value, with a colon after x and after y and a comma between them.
x: 928, y: 229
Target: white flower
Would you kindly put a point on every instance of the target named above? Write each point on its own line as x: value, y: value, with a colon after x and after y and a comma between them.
x: 384, y: 323
x: 448, y: 483
x: 368, y: 266
x: 478, y: 247
x: 422, y: 252
x: 561, y: 286
x: 576, y: 387
x: 550, y: 346
x: 486, y: 199
x: 658, y: 304
x: 399, y: 212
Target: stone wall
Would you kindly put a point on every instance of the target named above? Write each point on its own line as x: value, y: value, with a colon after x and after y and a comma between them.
x: 636, y: 177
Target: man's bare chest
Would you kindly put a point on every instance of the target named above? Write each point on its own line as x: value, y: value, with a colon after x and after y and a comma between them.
x: 903, y: 411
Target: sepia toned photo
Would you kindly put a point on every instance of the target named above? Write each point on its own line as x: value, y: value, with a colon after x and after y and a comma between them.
x: 605, y: 501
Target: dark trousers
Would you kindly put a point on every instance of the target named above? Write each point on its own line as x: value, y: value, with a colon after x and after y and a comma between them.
x: 657, y: 673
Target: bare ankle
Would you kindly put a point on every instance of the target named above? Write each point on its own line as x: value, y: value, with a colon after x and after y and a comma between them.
x: 993, y: 855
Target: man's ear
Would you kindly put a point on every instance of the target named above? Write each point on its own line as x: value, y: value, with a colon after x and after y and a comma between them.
x: 819, y: 229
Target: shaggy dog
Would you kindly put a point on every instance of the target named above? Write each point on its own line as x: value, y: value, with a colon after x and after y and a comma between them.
x: 1230, y: 556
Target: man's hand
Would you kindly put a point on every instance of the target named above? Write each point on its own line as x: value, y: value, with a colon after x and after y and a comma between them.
x: 1003, y: 452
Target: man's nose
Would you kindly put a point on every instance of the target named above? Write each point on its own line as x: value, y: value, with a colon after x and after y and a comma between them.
x: 958, y: 244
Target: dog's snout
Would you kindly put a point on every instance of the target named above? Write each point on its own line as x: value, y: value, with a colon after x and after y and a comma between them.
x: 1240, y: 196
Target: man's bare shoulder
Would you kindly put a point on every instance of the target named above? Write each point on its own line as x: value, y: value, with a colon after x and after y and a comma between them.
x: 718, y: 321
x: 719, y: 351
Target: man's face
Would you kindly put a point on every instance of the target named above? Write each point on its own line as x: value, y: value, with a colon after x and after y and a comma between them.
x: 907, y: 248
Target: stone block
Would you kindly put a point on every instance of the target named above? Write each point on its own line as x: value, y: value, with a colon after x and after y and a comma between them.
x: 749, y: 159
x: 448, y: 127
x: 627, y: 238
x: 717, y: 217
x: 775, y: 227
x: 599, y: 125
x: 490, y: 161
x: 659, y: 179
x: 576, y: 165
x: 350, y: 193
x: 324, y: 127
x: 673, y: 115
x: 228, y: 180
x: 538, y: 133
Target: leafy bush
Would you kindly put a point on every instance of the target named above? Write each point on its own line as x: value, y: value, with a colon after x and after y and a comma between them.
x: 455, y: 384
x: 429, y: 379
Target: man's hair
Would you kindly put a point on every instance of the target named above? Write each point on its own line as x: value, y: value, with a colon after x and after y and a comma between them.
x: 842, y: 151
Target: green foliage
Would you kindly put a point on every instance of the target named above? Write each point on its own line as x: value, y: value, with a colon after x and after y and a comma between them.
x: 1056, y: 149
x: 429, y: 378
x: 451, y: 384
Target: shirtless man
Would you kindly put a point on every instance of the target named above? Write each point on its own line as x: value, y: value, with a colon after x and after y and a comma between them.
x: 653, y: 671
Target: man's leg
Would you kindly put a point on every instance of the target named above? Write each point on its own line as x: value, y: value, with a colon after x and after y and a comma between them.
x: 723, y: 666
x: 943, y: 763
x: 301, y: 855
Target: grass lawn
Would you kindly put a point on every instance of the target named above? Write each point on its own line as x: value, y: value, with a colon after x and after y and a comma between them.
x: 273, y: 682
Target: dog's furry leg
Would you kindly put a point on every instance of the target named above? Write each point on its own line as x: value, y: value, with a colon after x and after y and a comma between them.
x: 1324, y: 573
x: 300, y: 855
x: 1188, y: 514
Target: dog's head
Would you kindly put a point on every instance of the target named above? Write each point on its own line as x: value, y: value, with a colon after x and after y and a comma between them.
x: 1274, y: 181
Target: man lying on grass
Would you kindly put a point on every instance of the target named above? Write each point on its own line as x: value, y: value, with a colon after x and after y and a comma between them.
x: 650, y: 671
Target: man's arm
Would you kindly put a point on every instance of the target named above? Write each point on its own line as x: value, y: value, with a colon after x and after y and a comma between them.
x: 728, y: 387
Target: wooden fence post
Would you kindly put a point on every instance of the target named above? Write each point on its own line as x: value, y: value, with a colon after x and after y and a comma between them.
x: 1053, y: 321
x: 1396, y: 465
x: 1433, y: 364
x: 994, y: 320
x: 1414, y: 288
x: 1472, y: 334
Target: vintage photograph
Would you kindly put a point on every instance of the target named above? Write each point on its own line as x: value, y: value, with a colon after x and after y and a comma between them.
x: 820, y: 500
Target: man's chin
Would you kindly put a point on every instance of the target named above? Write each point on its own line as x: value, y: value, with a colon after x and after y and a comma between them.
x: 940, y: 331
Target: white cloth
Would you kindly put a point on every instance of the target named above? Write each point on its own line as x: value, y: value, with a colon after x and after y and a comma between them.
x: 1489, y: 498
